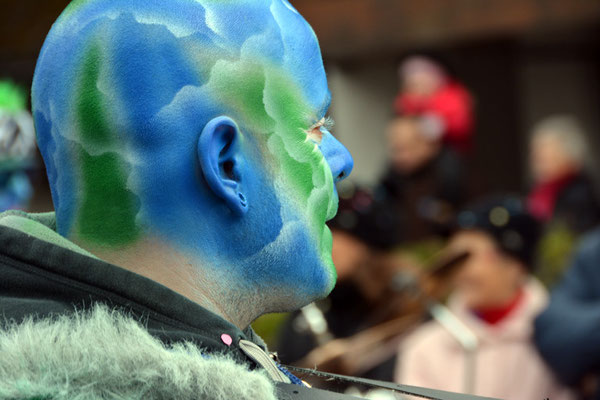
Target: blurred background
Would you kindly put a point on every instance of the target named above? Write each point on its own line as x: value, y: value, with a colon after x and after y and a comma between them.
x: 521, y: 59
x: 473, y: 125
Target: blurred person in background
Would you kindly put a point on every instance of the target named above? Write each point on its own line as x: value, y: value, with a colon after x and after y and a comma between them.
x: 566, y: 333
x: 445, y: 105
x: 563, y: 197
x: 17, y: 146
x: 562, y: 190
x: 363, y: 232
x: 494, y: 297
x: 424, y: 182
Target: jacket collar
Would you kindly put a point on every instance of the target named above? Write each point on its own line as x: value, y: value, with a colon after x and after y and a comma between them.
x: 516, y: 326
x: 36, y: 260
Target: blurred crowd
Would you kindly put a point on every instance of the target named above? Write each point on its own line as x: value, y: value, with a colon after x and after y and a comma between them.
x: 17, y: 147
x: 496, y: 294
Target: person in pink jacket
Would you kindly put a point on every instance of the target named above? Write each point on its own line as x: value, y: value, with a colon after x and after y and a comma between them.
x: 484, y: 344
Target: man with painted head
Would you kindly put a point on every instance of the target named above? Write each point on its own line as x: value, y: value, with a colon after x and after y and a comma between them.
x: 192, y: 173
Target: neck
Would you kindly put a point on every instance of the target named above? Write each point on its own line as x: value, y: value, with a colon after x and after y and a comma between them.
x: 155, y: 260
x: 495, y: 314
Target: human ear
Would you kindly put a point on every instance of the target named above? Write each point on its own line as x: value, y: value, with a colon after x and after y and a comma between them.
x: 219, y: 155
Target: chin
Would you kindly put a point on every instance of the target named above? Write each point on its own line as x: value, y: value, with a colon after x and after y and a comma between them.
x: 306, y: 275
x: 291, y: 298
x: 317, y: 282
x: 296, y: 268
x: 322, y: 276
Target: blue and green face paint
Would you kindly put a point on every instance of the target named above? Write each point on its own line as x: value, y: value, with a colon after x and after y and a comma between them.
x: 121, y: 92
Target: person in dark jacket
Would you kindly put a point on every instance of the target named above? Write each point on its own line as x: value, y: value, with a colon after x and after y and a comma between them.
x: 424, y: 183
x: 363, y: 232
x: 563, y: 191
x: 192, y: 173
x: 566, y: 333
x: 563, y: 198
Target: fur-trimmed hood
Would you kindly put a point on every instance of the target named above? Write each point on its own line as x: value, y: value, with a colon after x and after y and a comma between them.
x: 104, y: 354
x: 76, y: 331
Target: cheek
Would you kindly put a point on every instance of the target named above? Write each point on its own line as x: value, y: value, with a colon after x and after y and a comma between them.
x: 304, y: 176
x: 541, y: 158
x: 478, y: 273
x: 547, y: 160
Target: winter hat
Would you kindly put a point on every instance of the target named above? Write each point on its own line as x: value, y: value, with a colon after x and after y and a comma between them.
x: 507, y: 220
x: 366, y: 217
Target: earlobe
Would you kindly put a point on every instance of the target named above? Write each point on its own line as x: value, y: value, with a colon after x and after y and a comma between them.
x: 219, y: 155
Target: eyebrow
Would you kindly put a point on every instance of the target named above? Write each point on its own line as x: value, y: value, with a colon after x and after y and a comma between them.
x: 325, y: 106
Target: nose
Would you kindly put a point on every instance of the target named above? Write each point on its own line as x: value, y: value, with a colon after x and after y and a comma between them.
x: 337, y: 156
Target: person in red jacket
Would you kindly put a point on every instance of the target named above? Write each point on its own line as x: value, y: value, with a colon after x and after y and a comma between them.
x: 446, y: 105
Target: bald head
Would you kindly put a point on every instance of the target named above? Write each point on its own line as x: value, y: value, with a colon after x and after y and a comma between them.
x: 198, y: 124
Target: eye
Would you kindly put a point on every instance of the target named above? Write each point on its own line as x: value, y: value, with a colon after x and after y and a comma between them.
x: 315, y: 133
